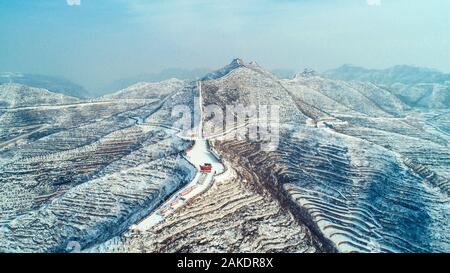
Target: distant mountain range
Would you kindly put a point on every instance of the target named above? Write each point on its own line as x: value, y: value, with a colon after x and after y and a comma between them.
x: 51, y: 83
x: 416, y: 86
x: 404, y: 74
x: 67, y: 87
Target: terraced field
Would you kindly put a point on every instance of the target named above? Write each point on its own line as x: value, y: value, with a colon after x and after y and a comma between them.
x: 91, y: 172
x: 355, y: 201
x: 234, y: 215
x: 362, y: 171
x: 353, y: 167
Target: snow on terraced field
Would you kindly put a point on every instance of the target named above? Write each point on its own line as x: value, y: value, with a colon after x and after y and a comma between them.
x: 355, y: 167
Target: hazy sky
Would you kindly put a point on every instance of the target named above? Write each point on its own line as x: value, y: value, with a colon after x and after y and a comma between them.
x: 94, y: 42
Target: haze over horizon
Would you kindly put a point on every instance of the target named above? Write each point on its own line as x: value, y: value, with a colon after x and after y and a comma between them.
x: 98, y: 42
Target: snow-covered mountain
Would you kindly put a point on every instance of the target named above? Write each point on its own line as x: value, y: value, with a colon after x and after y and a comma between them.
x: 85, y: 171
x: 163, y: 75
x: 358, y: 166
x: 236, y: 63
x: 143, y: 90
x: 19, y: 95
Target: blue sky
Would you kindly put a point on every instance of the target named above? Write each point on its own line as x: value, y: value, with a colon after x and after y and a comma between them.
x: 100, y: 41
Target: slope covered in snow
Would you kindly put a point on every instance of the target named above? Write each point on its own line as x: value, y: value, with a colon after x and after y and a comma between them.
x: 347, y: 173
x: 144, y: 90
x: 87, y: 171
x: 18, y: 95
x: 355, y: 166
x: 236, y: 63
